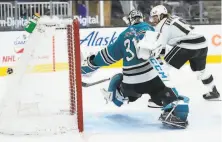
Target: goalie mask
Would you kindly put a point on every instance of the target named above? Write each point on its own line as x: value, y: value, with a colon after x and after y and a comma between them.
x: 134, y: 17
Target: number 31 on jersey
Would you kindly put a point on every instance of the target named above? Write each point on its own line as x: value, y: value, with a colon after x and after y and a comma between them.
x: 127, y: 45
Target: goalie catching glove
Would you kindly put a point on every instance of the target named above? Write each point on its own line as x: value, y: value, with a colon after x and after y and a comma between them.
x: 88, y: 66
x: 149, y: 46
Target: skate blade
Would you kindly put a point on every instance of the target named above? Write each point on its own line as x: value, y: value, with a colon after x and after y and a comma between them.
x: 154, y: 106
x: 215, y: 99
x: 175, y: 125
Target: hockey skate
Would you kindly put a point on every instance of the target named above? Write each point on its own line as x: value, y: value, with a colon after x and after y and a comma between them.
x: 175, y: 114
x: 212, y: 96
x: 170, y: 120
x: 151, y: 104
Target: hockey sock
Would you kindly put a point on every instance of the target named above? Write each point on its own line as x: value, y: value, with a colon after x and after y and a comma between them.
x: 206, y: 78
x: 209, y: 83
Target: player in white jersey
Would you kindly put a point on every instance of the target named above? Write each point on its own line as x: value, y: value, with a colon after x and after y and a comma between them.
x: 188, y: 45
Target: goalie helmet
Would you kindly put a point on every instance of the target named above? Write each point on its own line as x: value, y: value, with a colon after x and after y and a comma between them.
x: 134, y: 17
x: 158, y: 10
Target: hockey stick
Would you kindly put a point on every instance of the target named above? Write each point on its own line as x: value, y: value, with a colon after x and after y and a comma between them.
x: 84, y: 84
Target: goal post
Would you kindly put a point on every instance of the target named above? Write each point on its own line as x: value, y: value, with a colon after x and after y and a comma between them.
x: 50, y: 101
x: 78, y: 79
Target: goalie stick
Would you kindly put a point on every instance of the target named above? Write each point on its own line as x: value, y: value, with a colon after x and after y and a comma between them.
x: 84, y: 84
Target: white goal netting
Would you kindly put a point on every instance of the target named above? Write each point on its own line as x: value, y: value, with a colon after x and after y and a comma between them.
x: 43, y: 95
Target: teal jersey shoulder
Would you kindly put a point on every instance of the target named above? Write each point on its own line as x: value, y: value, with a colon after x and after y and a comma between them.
x: 128, y: 48
x: 123, y: 47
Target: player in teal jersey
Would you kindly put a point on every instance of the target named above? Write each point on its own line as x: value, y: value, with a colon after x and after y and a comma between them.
x: 138, y: 76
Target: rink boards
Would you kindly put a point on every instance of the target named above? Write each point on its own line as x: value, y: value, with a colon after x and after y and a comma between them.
x: 51, y: 52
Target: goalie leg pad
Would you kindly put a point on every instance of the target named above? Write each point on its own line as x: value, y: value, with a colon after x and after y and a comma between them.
x: 119, y: 92
x: 175, y: 114
x: 175, y: 107
x: 114, y: 94
x: 180, y: 109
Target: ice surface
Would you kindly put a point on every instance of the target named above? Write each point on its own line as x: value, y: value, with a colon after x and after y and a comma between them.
x: 136, y: 122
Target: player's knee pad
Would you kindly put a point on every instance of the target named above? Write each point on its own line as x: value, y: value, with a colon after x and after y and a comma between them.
x: 114, y: 87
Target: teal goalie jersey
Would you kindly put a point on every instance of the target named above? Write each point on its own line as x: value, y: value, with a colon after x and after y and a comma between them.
x: 134, y: 70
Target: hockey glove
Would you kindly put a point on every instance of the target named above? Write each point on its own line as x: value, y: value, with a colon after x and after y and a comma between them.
x: 87, y: 66
x: 150, y: 45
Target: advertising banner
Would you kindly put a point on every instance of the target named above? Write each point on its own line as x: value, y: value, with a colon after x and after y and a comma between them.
x: 53, y: 50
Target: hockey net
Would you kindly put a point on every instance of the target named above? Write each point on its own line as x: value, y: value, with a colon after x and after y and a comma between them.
x: 44, y: 94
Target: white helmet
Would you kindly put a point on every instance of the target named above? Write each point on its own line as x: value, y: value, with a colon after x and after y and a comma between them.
x: 158, y: 10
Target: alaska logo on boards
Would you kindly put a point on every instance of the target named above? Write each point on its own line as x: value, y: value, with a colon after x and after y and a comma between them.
x: 95, y: 39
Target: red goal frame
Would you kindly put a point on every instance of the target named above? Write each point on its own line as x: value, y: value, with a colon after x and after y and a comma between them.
x: 75, y: 80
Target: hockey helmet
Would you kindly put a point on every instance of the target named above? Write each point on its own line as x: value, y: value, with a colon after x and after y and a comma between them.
x: 158, y: 10
x: 134, y: 17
